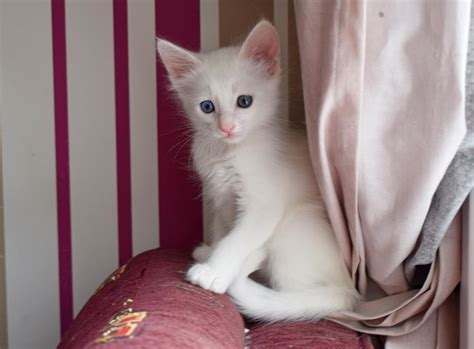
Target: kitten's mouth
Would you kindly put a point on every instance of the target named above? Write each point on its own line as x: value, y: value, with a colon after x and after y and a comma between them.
x: 233, y: 139
x: 230, y: 137
x: 227, y: 133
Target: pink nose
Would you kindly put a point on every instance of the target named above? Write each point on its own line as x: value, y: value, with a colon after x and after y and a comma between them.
x: 227, y: 128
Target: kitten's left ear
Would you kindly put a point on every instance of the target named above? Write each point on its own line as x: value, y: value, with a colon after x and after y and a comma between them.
x: 263, y: 46
x: 177, y: 60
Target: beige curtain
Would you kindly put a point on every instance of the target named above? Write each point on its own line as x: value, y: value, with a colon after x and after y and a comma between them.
x: 384, y: 88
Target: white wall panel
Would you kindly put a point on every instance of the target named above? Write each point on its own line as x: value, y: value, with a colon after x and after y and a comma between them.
x: 29, y: 175
x: 92, y: 146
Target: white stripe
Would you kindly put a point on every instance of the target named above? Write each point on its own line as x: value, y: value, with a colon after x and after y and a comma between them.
x: 143, y: 124
x: 209, y: 20
x: 280, y: 13
x: 29, y: 175
x: 90, y: 69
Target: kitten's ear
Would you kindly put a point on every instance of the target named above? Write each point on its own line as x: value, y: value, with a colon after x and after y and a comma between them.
x: 177, y: 60
x: 263, y: 46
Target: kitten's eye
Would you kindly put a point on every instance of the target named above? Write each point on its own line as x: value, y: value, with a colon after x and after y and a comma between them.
x: 244, y: 101
x: 207, y: 106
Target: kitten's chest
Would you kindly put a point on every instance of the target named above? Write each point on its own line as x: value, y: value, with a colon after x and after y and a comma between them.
x: 222, y: 176
x: 239, y: 170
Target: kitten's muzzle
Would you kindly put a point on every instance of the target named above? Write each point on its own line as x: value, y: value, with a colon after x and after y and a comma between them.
x: 227, y: 129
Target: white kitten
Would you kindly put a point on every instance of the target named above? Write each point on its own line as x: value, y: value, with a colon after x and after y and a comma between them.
x: 267, y: 209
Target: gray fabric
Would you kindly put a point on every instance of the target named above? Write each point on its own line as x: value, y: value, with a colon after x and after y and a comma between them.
x: 456, y: 183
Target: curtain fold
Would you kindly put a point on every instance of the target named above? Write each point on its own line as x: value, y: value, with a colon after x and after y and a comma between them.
x: 457, y: 182
x: 384, y: 91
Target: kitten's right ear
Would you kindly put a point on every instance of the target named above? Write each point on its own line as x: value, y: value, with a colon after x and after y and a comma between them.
x: 263, y: 46
x: 177, y: 60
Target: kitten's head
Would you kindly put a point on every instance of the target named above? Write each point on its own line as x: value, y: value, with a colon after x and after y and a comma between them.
x: 230, y: 92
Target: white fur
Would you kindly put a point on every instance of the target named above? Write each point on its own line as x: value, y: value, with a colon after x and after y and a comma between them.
x: 267, y: 210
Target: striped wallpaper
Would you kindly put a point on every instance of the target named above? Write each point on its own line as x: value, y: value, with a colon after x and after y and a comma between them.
x: 94, y: 155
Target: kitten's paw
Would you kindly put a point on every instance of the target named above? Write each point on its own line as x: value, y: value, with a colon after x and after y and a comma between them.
x: 201, y: 253
x: 203, y: 275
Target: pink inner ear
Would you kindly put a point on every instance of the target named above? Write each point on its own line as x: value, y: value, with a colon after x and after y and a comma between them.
x: 262, y: 46
x: 177, y: 61
x: 180, y: 66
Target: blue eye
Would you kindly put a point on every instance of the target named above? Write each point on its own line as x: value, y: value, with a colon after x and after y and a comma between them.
x: 207, y: 106
x: 244, y: 101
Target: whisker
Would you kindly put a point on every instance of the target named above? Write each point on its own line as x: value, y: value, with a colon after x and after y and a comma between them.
x: 178, y: 144
x: 185, y: 128
x: 182, y: 146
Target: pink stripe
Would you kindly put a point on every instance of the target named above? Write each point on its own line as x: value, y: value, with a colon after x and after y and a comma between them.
x: 62, y: 163
x: 122, y: 122
x: 180, y: 206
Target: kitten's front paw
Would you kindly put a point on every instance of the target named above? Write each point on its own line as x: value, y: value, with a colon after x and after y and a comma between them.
x: 202, y: 253
x: 203, y: 275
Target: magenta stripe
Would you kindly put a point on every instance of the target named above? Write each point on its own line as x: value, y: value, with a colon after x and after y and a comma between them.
x: 62, y: 163
x: 180, y: 206
x: 122, y: 124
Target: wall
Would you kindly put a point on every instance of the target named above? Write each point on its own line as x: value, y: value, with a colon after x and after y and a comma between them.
x: 94, y: 171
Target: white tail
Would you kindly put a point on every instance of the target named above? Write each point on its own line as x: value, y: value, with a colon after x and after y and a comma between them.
x: 262, y: 303
x: 259, y: 302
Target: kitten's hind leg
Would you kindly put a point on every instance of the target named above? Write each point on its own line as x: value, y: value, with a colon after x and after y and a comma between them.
x: 304, y: 252
x: 253, y: 262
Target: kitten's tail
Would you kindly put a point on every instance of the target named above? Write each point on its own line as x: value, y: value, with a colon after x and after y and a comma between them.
x: 262, y: 303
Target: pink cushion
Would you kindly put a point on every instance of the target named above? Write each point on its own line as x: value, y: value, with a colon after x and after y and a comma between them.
x: 176, y: 313
x: 317, y: 335
x: 147, y: 304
